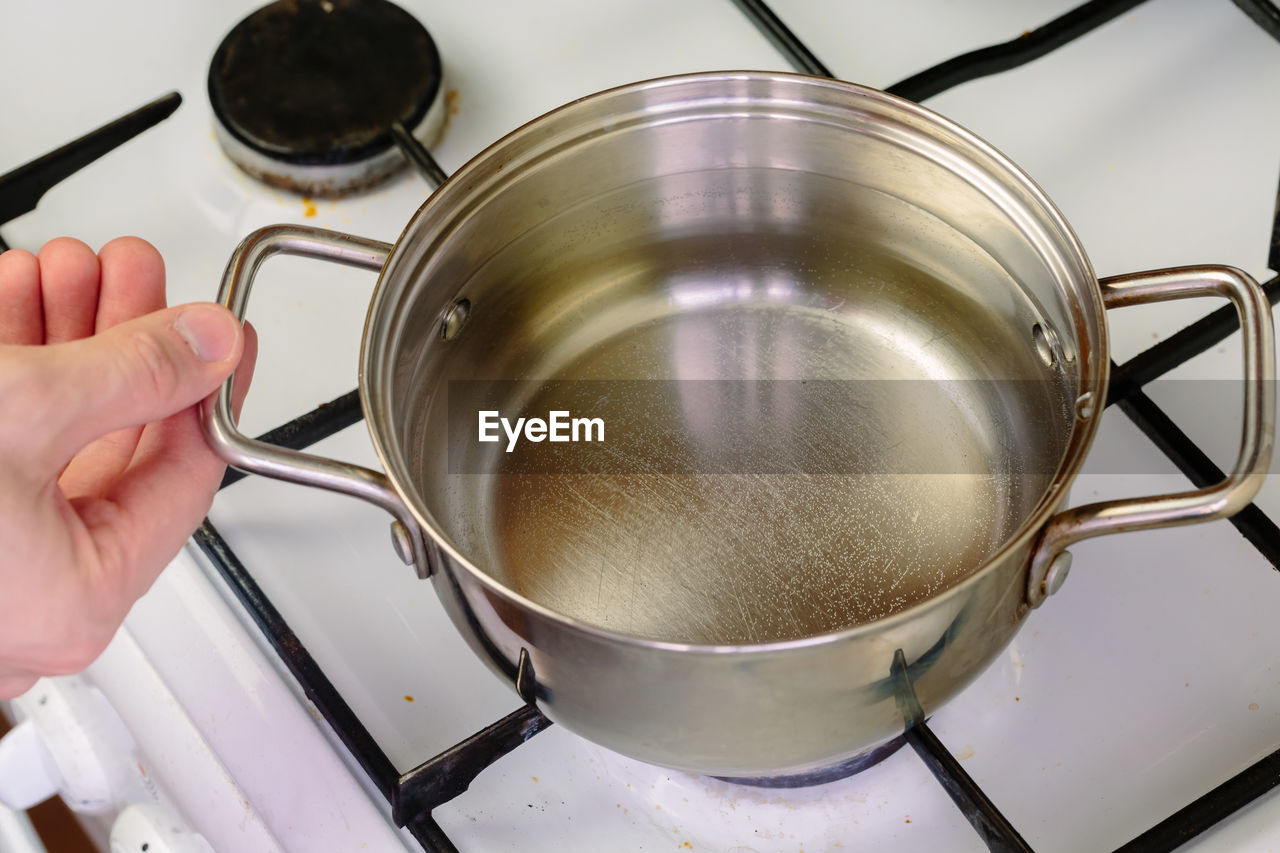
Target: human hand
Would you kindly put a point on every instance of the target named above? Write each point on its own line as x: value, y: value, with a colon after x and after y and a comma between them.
x: 104, y: 470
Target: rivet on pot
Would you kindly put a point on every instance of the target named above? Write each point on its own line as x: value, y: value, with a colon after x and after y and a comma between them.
x: 401, y: 542
x: 454, y: 319
x: 1043, y: 341
x: 1057, y: 573
x: 1084, y: 406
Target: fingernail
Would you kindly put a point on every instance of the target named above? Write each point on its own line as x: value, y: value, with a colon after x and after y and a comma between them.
x: 210, y: 332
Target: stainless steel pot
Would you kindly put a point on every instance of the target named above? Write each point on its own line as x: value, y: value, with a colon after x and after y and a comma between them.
x: 759, y: 227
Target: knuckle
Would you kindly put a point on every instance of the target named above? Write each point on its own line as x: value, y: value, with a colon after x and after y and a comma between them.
x: 148, y: 364
x: 19, y: 258
x: 63, y: 243
x: 128, y: 245
x: 60, y: 245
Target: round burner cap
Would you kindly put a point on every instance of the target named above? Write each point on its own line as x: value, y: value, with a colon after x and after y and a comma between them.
x: 318, y: 83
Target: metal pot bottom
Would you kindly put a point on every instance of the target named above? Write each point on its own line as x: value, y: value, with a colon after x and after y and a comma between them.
x: 825, y: 775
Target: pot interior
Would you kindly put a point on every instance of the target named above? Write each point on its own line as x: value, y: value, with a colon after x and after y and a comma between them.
x: 836, y: 372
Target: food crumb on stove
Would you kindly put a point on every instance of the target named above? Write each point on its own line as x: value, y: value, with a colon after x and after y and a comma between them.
x: 1253, y: 706
x: 534, y: 778
x: 1017, y: 698
x: 408, y: 698
x: 308, y: 207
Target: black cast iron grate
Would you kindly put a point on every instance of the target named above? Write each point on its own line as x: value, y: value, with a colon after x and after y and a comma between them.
x: 414, y: 795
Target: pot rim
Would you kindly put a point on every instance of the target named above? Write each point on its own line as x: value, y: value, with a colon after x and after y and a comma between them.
x: 372, y: 370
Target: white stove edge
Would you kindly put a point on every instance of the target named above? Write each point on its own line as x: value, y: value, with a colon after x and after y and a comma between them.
x: 243, y: 718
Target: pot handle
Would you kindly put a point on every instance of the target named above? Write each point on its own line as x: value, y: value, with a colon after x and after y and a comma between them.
x: 1050, y: 560
x: 257, y: 457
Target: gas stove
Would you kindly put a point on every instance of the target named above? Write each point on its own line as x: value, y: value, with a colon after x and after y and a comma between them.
x: 283, y: 683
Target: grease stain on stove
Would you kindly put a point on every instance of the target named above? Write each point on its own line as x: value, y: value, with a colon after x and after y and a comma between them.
x: 965, y: 753
x: 408, y: 698
x: 308, y: 207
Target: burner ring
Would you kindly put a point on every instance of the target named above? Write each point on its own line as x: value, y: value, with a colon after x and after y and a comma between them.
x: 304, y: 92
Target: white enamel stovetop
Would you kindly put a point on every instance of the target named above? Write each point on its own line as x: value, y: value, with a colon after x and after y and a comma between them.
x: 1149, y: 679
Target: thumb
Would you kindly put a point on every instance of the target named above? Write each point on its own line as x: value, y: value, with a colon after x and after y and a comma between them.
x: 132, y: 374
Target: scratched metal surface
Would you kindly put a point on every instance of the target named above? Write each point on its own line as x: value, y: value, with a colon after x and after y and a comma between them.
x: 675, y: 542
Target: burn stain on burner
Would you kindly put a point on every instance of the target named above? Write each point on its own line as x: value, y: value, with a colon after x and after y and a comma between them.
x: 451, y: 108
x: 320, y: 82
